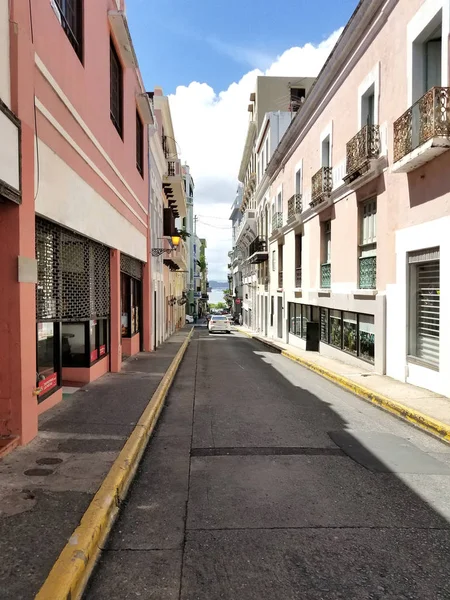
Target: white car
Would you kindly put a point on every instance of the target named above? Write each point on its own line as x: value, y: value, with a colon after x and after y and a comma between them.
x: 219, y: 323
x: 189, y: 319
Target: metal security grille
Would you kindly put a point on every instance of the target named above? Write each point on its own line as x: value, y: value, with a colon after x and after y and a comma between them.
x: 131, y: 266
x: 427, y: 312
x: 73, y: 275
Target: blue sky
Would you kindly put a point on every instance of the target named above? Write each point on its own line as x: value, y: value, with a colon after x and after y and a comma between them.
x: 206, y: 54
x: 179, y: 41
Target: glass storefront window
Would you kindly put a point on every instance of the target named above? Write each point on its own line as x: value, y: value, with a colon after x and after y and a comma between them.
x: 366, y: 348
x: 93, y: 341
x: 46, y: 376
x: 306, y: 317
x: 350, y: 332
x: 324, y: 325
x: 103, y: 337
x: 125, y: 304
x: 73, y: 345
x: 335, y: 328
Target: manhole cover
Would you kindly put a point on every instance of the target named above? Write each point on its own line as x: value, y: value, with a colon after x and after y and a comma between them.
x: 38, y: 472
x: 49, y: 460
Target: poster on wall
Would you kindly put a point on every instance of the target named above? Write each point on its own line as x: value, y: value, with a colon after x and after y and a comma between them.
x: 47, y: 384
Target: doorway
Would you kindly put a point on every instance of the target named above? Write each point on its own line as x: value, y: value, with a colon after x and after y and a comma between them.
x: 280, y: 317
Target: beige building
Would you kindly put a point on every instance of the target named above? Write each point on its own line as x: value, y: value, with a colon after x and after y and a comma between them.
x: 356, y: 201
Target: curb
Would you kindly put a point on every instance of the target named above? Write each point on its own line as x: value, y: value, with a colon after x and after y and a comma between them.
x: 429, y: 424
x: 70, y: 573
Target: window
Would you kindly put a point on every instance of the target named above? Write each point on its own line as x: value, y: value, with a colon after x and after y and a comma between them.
x: 368, y: 245
x: 335, y: 328
x: 368, y: 107
x: 273, y: 260
x: 272, y: 309
x: 139, y: 145
x: 424, y: 313
x: 295, y: 318
x: 297, y: 98
x: 46, y: 359
x: 351, y: 332
x: 427, y: 58
x: 327, y: 242
x: 116, y: 89
x: 326, y: 152
x: 280, y: 203
x: 324, y: 328
x: 298, y: 182
x: 84, y: 343
x: 131, y: 303
x: 70, y: 15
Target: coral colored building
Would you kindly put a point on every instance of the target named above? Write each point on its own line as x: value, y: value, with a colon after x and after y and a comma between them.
x: 74, y: 273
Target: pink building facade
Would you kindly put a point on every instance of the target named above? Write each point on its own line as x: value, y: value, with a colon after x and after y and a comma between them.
x: 355, y: 203
x: 74, y: 239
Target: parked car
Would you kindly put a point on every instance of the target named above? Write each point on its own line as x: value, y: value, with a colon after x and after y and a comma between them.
x: 189, y: 319
x: 219, y: 323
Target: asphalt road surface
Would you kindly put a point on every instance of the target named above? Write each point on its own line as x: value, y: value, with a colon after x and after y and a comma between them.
x: 264, y: 481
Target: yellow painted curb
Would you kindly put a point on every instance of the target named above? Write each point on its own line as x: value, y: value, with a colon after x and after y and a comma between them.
x: 430, y: 425
x: 70, y: 573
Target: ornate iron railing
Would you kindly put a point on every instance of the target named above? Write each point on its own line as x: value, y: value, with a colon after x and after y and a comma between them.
x: 364, y: 146
x: 321, y: 185
x: 298, y: 277
x: 368, y: 273
x: 280, y: 279
x: 427, y: 118
x: 171, y: 168
x: 277, y: 221
x: 294, y: 206
x: 325, y: 276
x: 259, y: 244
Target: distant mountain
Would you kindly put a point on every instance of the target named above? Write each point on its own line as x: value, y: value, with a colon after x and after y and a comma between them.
x: 218, y: 285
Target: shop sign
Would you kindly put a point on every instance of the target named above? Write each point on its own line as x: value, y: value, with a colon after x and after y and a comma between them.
x: 48, y: 383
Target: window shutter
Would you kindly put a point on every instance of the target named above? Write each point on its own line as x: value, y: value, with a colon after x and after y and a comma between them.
x: 428, y: 311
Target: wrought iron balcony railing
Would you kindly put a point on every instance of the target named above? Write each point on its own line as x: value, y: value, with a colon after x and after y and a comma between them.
x: 277, y: 221
x: 321, y: 185
x: 259, y: 244
x: 280, y: 279
x: 294, y: 207
x: 298, y: 277
x: 171, y: 171
x: 427, y: 118
x: 364, y: 146
x: 368, y: 273
x: 325, y: 276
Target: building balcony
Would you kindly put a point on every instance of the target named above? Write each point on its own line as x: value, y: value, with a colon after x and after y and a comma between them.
x: 423, y: 131
x: 179, y: 255
x: 246, y: 231
x: 368, y: 273
x: 321, y: 186
x: 280, y: 280
x: 298, y: 277
x: 173, y: 185
x: 258, y: 251
x: 295, y: 207
x: 362, y: 150
x: 277, y: 222
x: 325, y: 276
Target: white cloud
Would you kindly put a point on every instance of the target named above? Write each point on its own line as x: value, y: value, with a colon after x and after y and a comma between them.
x: 210, y: 129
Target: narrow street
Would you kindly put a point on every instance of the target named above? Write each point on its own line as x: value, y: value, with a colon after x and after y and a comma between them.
x: 264, y: 481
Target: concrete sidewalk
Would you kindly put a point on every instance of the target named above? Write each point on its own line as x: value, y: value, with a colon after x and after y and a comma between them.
x: 46, y: 487
x: 421, y: 407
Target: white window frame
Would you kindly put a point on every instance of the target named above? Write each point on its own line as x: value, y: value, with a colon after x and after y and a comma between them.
x: 369, y: 217
x: 298, y: 169
x: 421, y: 20
x: 327, y: 132
x: 372, y: 79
